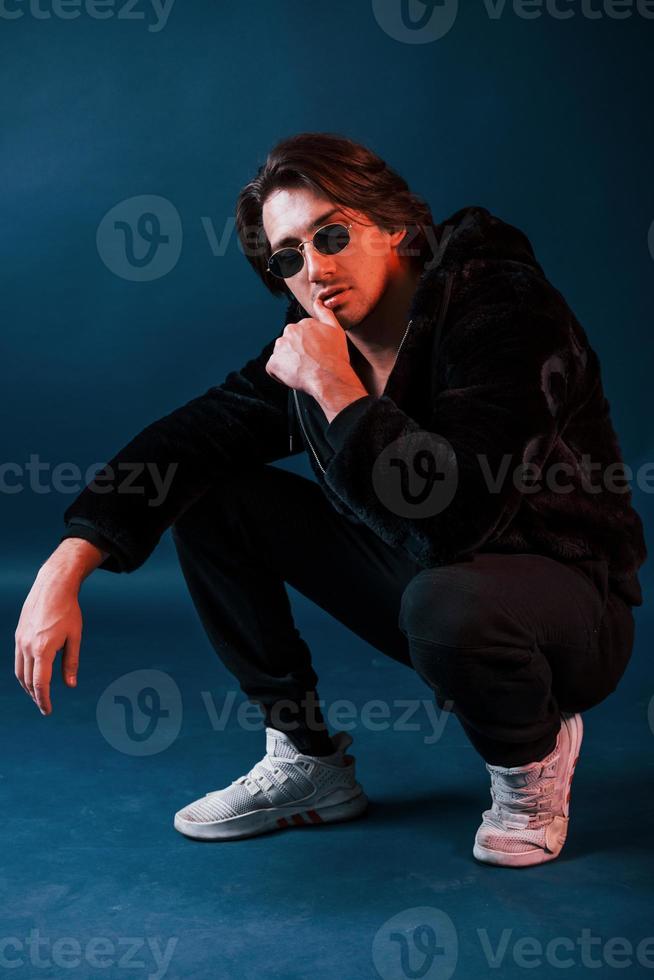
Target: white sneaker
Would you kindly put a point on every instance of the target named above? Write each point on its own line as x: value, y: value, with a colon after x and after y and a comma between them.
x: 285, y: 789
x: 528, y: 821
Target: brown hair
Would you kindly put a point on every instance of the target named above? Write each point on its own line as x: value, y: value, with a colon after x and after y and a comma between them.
x: 342, y: 170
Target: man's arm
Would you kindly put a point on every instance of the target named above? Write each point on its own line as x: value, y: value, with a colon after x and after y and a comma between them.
x: 51, y: 620
x: 75, y: 558
x: 117, y: 523
x: 149, y: 483
x: 81, y: 530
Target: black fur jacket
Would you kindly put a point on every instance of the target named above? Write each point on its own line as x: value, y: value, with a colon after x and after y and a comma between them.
x: 495, y: 379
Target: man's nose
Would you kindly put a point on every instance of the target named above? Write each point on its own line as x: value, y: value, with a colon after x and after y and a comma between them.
x: 318, y: 265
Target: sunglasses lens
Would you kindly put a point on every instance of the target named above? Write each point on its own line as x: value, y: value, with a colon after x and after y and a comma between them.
x: 285, y: 263
x: 331, y: 239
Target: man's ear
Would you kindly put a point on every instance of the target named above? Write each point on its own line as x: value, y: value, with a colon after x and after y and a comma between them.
x: 397, y: 237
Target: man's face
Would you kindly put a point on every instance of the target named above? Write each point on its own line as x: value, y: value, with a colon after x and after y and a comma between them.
x: 363, y: 269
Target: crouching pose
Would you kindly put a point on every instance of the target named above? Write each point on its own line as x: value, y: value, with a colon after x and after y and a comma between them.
x: 465, y: 518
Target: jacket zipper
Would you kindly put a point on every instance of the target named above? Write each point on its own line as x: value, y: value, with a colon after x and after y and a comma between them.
x: 306, y: 436
x: 290, y: 415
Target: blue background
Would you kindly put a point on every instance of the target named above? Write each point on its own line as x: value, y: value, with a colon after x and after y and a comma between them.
x: 544, y: 121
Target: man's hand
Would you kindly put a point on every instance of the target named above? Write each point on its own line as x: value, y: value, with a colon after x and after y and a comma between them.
x: 312, y: 356
x: 51, y: 620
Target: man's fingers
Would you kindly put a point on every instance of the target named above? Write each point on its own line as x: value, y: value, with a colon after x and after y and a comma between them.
x: 41, y: 681
x: 70, y: 660
x: 325, y: 315
x: 19, y: 667
x: 28, y: 668
x: 274, y: 376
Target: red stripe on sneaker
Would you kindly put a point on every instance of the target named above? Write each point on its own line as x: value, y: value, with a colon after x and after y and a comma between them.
x: 314, y: 817
x: 298, y: 819
x: 282, y: 822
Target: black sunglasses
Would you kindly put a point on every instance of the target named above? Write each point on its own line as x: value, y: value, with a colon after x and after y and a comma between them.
x: 328, y: 240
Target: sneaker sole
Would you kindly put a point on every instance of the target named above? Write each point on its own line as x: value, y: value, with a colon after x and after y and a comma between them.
x: 279, y: 818
x: 537, y: 855
x: 506, y: 859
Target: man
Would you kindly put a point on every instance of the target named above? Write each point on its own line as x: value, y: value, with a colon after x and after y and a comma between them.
x: 461, y: 520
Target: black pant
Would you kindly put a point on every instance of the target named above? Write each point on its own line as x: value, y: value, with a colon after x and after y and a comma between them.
x: 506, y: 642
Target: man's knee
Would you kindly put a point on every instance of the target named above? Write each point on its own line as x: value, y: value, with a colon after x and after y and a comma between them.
x: 445, y: 606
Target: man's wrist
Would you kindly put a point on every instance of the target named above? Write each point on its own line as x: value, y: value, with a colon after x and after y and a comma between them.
x: 336, y: 395
x: 74, y: 559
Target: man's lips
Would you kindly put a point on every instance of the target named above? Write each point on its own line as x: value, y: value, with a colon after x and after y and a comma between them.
x: 332, y: 297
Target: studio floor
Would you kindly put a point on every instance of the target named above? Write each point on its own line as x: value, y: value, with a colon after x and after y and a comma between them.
x: 96, y: 882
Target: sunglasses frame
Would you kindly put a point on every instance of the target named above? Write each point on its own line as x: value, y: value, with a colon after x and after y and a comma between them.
x: 298, y: 248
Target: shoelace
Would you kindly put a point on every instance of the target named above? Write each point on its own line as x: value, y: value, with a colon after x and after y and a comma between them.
x: 264, y: 774
x: 517, y: 804
x: 259, y: 777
